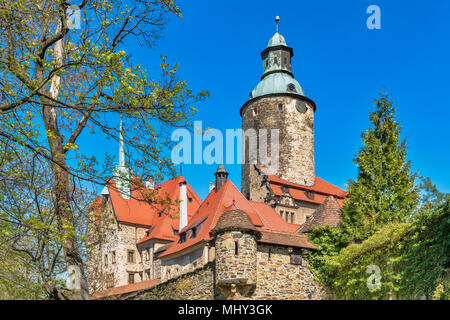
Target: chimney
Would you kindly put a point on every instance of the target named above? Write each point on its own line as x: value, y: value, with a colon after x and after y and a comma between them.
x: 211, y: 186
x: 221, y: 176
x: 183, y: 206
x: 150, y: 183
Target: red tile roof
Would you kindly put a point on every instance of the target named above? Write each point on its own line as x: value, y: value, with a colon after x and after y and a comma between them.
x: 234, y: 219
x: 164, y: 196
x: 286, y: 239
x: 327, y: 214
x: 228, y: 197
x: 126, y: 289
x: 321, y: 188
x: 162, y: 229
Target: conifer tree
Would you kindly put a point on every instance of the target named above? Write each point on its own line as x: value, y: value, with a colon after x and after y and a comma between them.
x: 384, y: 190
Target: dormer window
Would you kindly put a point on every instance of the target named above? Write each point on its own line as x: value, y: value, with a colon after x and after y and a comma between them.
x: 310, y: 194
x: 182, y: 237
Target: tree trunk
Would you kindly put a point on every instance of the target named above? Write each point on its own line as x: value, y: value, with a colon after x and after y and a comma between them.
x: 61, y: 189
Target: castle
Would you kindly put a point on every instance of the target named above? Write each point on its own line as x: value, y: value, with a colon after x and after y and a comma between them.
x: 246, y: 244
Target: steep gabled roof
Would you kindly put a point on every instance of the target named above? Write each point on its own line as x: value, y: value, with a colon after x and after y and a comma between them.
x: 227, y: 198
x: 161, y: 230
x: 139, y: 211
x: 327, y: 214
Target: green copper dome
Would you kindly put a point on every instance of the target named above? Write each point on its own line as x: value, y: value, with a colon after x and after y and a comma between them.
x: 277, y: 82
x: 277, y: 75
x: 277, y: 40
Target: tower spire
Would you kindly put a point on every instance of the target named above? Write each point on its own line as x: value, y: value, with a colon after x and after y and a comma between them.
x: 121, y: 149
x: 277, y: 19
x: 122, y: 174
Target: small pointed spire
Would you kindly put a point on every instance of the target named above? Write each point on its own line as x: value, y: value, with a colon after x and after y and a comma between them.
x: 121, y: 149
x: 277, y: 19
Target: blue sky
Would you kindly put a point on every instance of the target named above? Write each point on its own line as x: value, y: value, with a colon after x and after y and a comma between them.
x: 338, y: 61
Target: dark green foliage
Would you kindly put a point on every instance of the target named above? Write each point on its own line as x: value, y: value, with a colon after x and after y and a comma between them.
x: 329, y: 242
x: 413, y: 259
x: 384, y: 190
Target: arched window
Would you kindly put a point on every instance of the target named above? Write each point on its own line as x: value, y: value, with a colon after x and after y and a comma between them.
x: 236, y: 248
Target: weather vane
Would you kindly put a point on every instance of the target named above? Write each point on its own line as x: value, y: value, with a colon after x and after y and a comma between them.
x: 277, y: 19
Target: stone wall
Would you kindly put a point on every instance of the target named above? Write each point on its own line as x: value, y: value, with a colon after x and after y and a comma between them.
x: 110, y: 243
x: 296, y: 137
x: 232, y: 267
x: 173, y: 267
x: 279, y: 279
x: 195, y: 285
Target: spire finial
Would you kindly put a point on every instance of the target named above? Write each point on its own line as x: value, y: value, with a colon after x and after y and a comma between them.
x: 121, y: 150
x: 277, y: 19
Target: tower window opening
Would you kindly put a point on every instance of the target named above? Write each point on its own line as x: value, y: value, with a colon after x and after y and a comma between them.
x: 275, y: 60
x: 270, y: 253
x: 280, y: 107
x: 236, y: 248
x: 291, y: 87
x: 255, y: 111
x: 292, y: 217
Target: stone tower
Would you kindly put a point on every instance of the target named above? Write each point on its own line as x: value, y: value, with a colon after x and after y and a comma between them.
x: 278, y: 102
x: 235, y: 253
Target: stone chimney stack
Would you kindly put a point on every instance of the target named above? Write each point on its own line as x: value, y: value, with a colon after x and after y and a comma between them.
x: 183, y: 206
x: 211, y: 186
x: 221, y: 176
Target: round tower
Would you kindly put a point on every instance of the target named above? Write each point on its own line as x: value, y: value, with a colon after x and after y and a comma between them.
x: 235, y: 252
x: 278, y: 102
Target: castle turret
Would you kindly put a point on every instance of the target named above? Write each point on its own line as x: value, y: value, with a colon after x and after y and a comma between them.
x: 278, y: 102
x: 235, y: 251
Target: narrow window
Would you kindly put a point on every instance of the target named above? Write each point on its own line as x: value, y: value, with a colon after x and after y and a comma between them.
x: 280, y: 107
x: 148, y: 254
x: 236, y: 248
x: 270, y: 253
x: 113, y: 257
x: 286, y: 217
x: 106, y: 260
x: 275, y: 60
x: 147, y: 273
x: 130, y: 256
x: 296, y: 256
x: 281, y: 213
x: 292, y: 217
x: 131, y: 278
